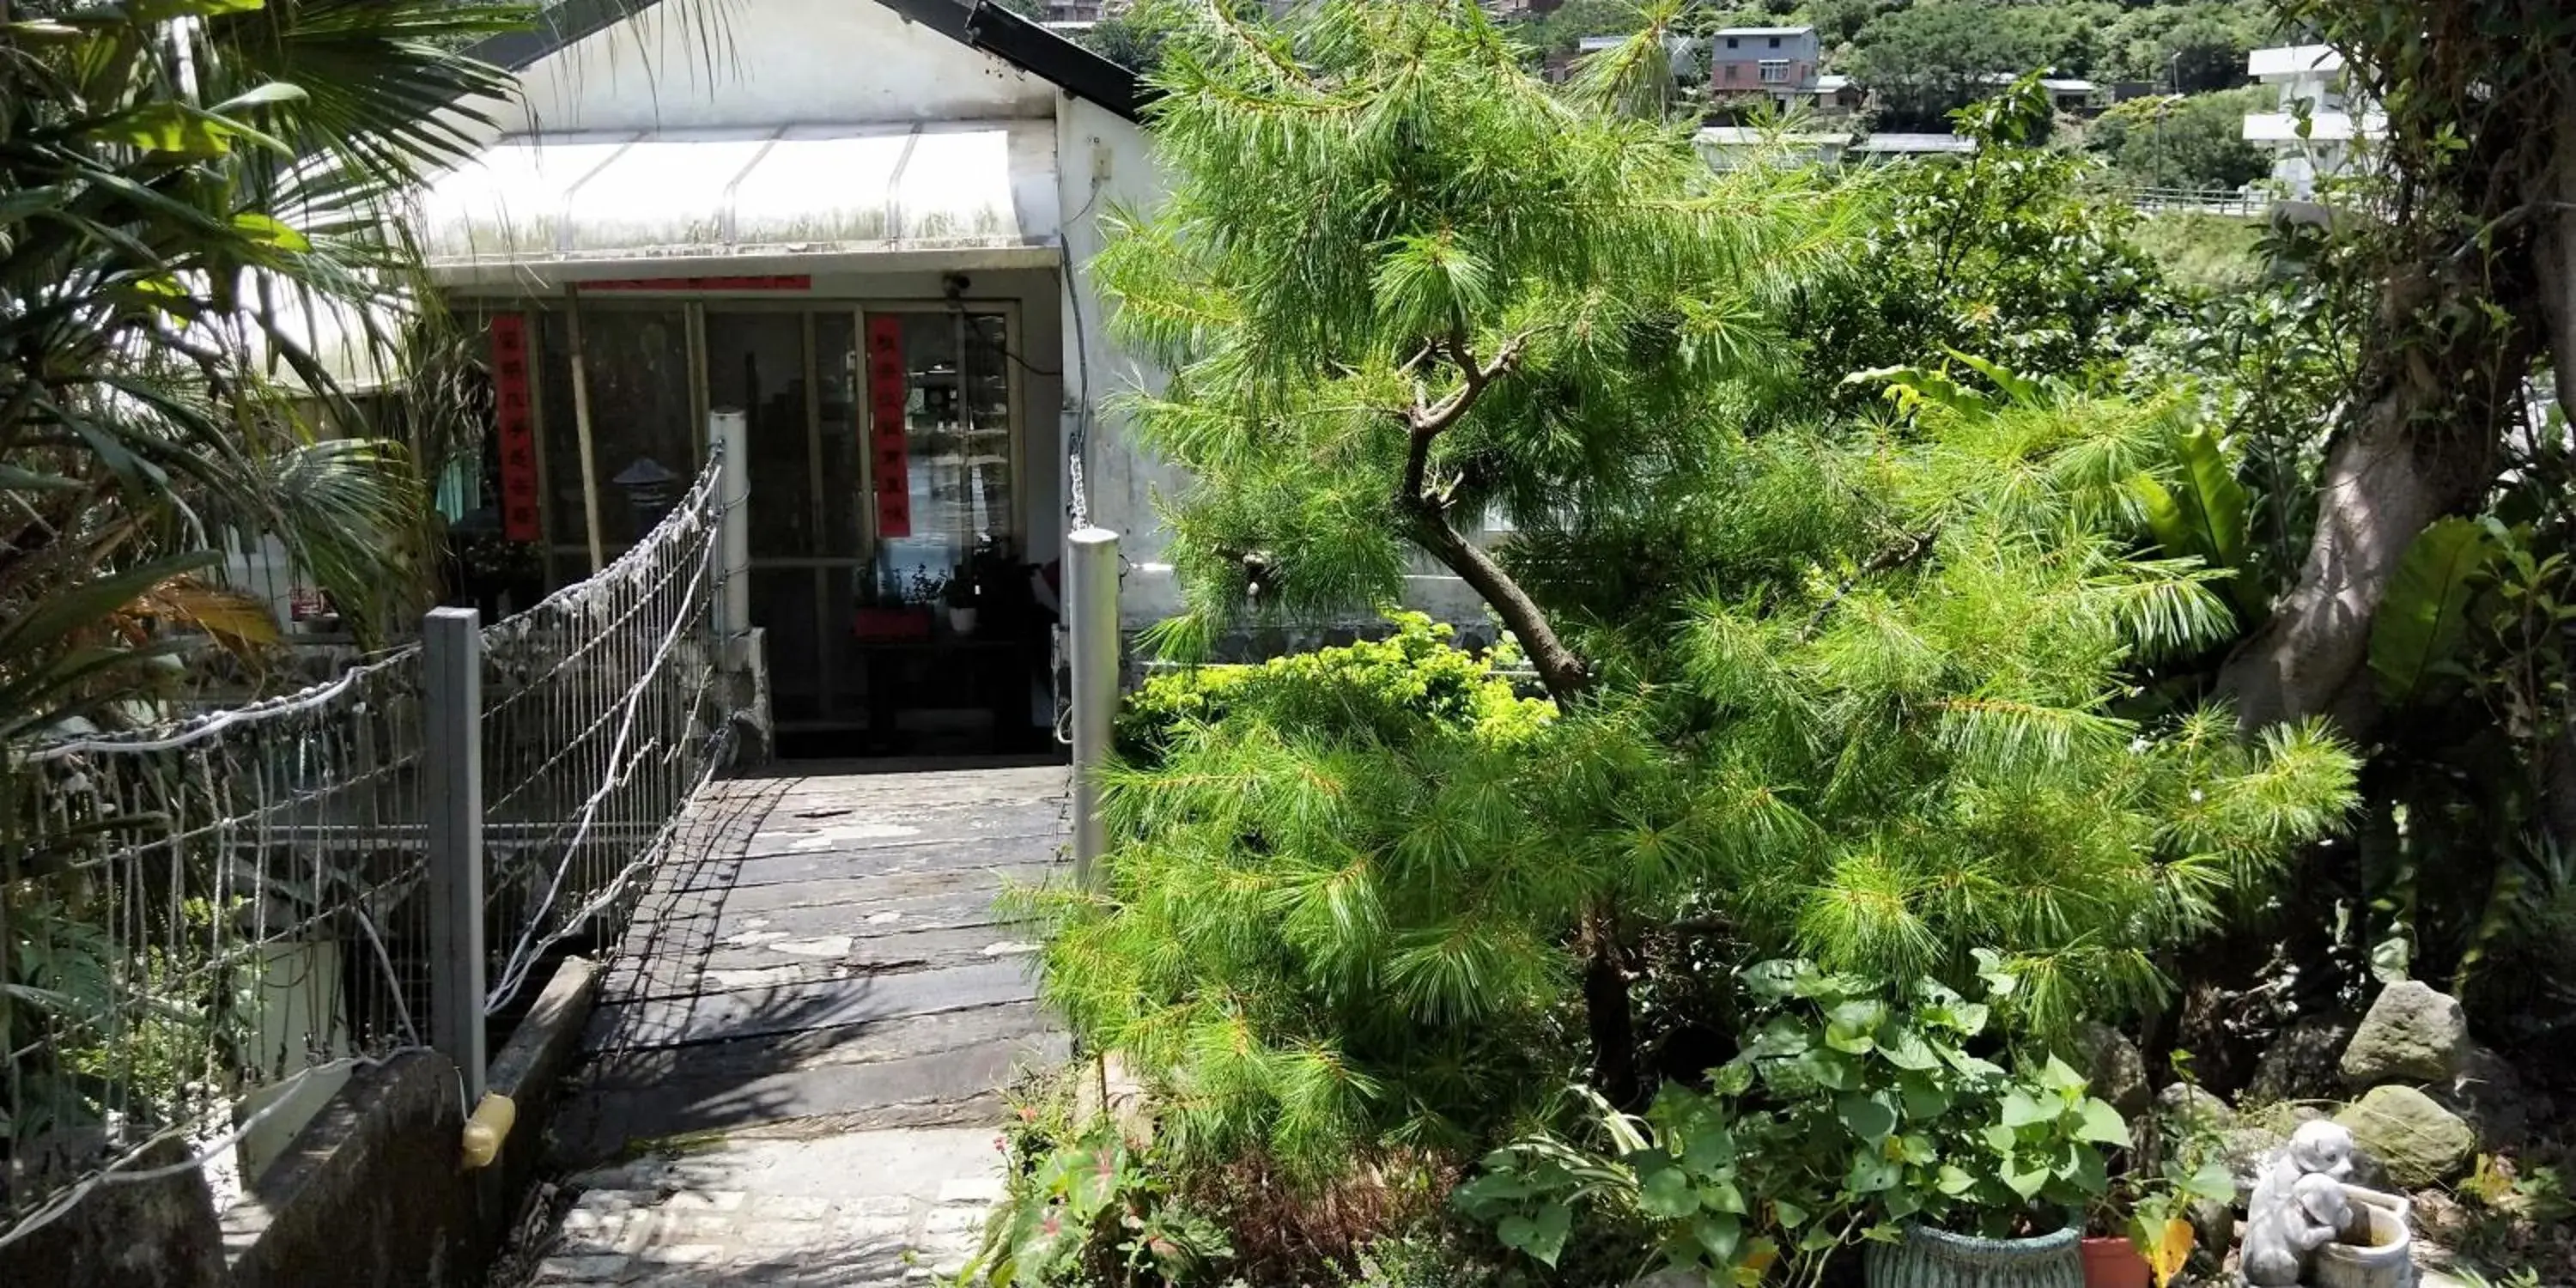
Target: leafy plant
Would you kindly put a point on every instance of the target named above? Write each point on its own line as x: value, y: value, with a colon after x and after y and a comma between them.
x: 1084, y: 1201
x: 2176, y: 1160
x: 1854, y: 1108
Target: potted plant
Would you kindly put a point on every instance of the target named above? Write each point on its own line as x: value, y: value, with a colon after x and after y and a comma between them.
x: 1856, y: 1112
x: 2141, y: 1231
x: 959, y: 592
x: 887, y: 614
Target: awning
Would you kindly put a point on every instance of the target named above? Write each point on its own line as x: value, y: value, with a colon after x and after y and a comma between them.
x: 593, y: 205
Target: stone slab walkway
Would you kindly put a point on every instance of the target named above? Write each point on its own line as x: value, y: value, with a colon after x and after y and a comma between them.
x: 793, y: 1071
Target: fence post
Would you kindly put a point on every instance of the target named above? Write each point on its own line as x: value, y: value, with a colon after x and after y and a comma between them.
x: 1091, y: 608
x: 452, y: 793
x: 731, y: 432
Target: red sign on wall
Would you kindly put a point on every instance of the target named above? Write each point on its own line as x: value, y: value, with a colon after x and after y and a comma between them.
x: 796, y: 282
x: 514, y: 420
x: 890, y: 462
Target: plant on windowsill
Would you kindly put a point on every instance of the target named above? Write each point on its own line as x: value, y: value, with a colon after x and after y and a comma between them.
x: 890, y: 613
x: 961, y: 596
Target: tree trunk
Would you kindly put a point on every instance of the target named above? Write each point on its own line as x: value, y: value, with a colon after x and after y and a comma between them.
x: 1558, y: 668
x: 2419, y: 451
x: 1608, y: 1012
x: 2386, y: 478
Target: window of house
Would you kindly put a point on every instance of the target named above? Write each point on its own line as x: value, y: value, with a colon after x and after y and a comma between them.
x: 1730, y: 42
x: 1732, y: 69
x: 1775, y: 71
x: 1775, y: 42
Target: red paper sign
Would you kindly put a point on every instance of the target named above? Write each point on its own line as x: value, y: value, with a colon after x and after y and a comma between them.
x: 776, y: 283
x: 514, y: 419
x: 886, y: 389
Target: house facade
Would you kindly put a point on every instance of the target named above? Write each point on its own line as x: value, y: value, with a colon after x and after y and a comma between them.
x: 2316, y: 127
x: 862, y: 225
x: 1776, y: 62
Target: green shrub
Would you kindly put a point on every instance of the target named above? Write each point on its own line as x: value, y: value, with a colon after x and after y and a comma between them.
x: 1332, y: 921
x: 1390, y: 691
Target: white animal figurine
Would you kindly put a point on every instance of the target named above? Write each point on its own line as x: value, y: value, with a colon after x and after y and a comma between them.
x: 2298, y: 1204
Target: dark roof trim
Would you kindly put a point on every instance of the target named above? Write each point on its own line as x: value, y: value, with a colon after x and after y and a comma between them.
x: 978, y: 25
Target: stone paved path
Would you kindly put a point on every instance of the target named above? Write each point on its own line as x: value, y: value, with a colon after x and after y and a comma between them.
x: 794, y: 1066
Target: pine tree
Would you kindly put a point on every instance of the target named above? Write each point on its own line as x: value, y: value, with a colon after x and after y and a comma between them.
x: 1854, y: 690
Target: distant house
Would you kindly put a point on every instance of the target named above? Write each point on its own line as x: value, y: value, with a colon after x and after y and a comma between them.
x: 1838, y: 93
x: 2317, y: 125
x: 2067, y: 94
x: 1779, y: 62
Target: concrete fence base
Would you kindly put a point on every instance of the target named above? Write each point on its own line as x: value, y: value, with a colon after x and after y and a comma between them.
x: 370, y: 1194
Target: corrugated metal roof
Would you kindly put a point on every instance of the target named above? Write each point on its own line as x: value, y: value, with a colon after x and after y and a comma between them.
x: 1763, y: 31
x: 801, y: 190
x: 1915, y: 143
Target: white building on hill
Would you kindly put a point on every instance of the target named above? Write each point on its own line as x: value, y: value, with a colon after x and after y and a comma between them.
x: 2316, y: 127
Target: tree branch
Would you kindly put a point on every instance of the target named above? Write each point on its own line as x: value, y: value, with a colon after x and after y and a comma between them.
x: 1558, y: 668
x: 1427, y: 422
x: 1896, y: 556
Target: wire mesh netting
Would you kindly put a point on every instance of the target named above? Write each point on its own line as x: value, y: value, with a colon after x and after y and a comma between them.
x: 600, y: 718
x: 197, y: 917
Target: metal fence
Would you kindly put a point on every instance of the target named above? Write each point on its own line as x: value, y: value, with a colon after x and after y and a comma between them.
x: 2241, y: 202
x: 206, y: 924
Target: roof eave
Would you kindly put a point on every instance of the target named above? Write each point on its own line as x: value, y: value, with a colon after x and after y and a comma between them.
x: 981, y: 26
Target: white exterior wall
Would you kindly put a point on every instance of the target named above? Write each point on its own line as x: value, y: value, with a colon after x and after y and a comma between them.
x: 1103, y: 162
x: 772, y: 62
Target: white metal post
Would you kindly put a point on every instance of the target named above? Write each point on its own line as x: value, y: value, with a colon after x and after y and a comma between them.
x: 730, y: 431
x: 1091, y: 617
x: 452, y: 795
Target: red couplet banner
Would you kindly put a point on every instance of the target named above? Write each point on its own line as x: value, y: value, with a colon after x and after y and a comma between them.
x: 515, y: 423
x: 886, y: 389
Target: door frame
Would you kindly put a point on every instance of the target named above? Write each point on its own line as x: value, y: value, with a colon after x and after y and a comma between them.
x: 829, y: 626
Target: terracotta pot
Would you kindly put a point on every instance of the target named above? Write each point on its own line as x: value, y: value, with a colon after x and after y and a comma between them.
x: 1928, y: 1258
x: 2114, y: 1263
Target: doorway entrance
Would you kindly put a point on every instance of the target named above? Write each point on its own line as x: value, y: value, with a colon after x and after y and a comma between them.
x: 885, y: 523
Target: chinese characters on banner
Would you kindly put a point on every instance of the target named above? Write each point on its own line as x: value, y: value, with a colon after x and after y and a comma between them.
x: 515, y: 422
x: 886, y: 388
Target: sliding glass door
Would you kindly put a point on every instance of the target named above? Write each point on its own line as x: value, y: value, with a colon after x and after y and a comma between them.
x: 882, y: 464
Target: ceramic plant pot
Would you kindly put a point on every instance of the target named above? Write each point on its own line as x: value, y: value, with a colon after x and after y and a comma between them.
x: 1927, y: 1258
x: 2376, y: 1250
x: 2114, y: 1263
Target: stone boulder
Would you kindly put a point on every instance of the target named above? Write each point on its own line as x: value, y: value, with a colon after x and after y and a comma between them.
x: 2411, y: 1135
x: 2412, y: 1034
x: 2492, y: 1098
x: 2194, y: 1109
x: 2302, y: 1063
x: 2111, y: 1063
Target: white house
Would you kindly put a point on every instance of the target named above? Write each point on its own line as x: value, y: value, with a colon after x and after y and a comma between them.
x: 2316, y: 127
x: 863, y: 223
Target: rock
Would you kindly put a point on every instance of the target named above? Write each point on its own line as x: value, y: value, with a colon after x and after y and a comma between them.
x: 2301, y: 1063
x: 2412, y: 1034
x: 2418, y: 1141
x: 2213, y: 1226
x: 2194, y: 1108
x: 2243, y: 1149
x: 2489, y: 1095
x: 2111, y: 1063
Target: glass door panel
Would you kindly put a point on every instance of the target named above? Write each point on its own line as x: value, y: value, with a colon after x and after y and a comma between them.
x: 756, y: 364
x: 955, y: 473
